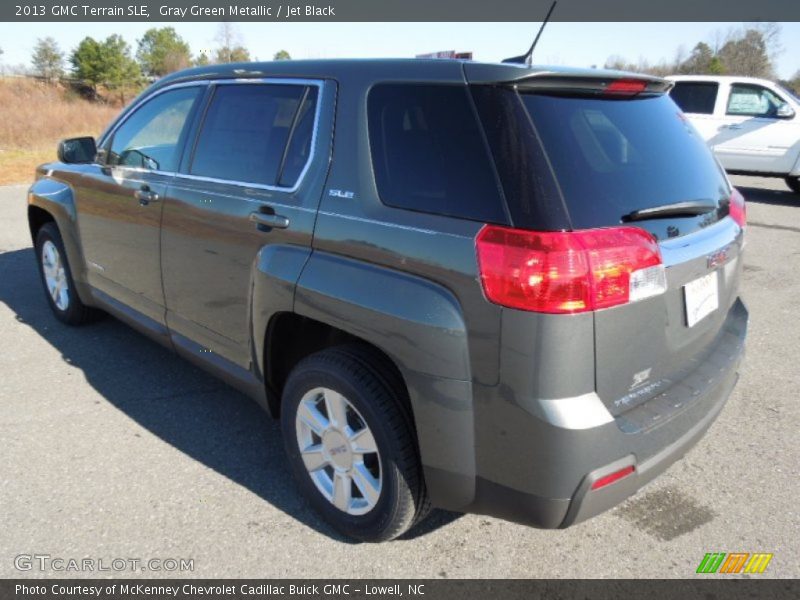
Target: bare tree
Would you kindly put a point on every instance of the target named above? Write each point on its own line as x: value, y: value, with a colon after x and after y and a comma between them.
x: 794, y: 83
x: 231, y: 46
x: 747, y: 55
x: 744, y: 50
x: 679, y: 58
x: 47, y: 59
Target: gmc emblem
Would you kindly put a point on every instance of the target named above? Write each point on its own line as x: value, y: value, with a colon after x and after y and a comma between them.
x: 719, y: 257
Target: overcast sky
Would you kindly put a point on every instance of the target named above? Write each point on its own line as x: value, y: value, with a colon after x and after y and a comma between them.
x: 575, y: 44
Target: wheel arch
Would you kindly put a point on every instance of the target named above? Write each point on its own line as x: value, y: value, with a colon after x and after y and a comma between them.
x: 52, y: 201
x: 416, y: 325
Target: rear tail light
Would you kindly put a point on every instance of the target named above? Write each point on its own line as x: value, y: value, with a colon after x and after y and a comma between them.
x: 615, y: 476
x: 568, y: 271
x: 737, y: 209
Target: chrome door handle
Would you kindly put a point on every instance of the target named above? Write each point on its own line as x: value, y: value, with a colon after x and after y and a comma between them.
x: 145, y: 196
x: 267, y: 220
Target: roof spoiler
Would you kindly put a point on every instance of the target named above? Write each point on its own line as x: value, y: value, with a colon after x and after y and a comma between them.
x: 606, y: 84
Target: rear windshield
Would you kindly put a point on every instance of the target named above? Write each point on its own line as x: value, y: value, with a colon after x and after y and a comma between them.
x: 612, y: 157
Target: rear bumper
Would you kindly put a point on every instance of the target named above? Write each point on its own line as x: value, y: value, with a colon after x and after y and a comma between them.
x: 587, y: 502
x: 549, y: 483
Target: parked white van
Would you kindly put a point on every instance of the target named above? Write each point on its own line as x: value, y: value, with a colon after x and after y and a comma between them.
x: 752, y: 125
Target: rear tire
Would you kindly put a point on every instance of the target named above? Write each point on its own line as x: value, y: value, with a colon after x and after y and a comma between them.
x: 794, y: 184
x: 56, y: 276
x: 351, y: 446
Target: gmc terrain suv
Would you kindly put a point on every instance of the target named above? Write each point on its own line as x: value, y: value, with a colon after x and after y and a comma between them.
x: 488, y: 288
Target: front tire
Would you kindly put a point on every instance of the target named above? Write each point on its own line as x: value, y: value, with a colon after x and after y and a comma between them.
x: 794, y: 184
x: 351, y: 445
x: 56, y: 277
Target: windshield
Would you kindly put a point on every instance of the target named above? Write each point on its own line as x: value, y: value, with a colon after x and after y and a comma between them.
x: 790, y: 92
x: 613, y: 157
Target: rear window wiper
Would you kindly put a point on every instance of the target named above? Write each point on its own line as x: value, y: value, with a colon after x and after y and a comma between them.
x: 691, y: 208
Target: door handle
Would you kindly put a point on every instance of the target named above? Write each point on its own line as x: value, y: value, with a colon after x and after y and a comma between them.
x: 732, y: 126
x: 271, y: 221
x: 145, y: 195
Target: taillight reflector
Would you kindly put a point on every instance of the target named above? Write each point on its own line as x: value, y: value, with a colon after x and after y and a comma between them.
x: 737, y: 208
x: 625, y: 87
x: 568, y: 271
x: 615, y: 476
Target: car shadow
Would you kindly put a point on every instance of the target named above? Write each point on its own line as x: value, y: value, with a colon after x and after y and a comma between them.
x: 181, y: 404
x: 769, y: 196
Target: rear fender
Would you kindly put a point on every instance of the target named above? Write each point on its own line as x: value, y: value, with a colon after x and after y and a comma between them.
x: 420, y: 325
x: 277, y: 269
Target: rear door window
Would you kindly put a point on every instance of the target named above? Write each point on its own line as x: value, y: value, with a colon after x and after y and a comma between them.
x: 298, y: 151
x: 697, y: 97
x: 245, y: 132
x: 429, y: 154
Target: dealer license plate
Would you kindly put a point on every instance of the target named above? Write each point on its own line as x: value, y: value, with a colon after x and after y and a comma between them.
x: 702, y: 298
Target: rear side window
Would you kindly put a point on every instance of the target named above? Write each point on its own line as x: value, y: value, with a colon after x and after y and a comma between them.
x: 429, y: 154
x: 245, y: 132
x: 698, y: 97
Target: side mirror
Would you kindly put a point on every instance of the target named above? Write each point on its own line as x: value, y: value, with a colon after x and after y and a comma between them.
x: 785, y: 112
x: 77, y: 150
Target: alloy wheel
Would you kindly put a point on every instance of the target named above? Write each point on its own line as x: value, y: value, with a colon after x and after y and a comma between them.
x: 55, y: 275
x: 338, y: 451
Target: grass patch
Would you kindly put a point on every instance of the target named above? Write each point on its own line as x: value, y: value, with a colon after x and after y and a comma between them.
x: 34, y: 116
x: 17, y: 166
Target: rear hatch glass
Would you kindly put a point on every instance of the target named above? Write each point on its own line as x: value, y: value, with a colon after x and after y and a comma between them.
x: 615, y: 157
x: 612, y: 161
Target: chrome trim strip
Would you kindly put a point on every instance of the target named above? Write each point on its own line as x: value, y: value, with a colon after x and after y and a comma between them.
x: 318, y: 83
x: 394, y: 225
x: 580, y: 412
x: 679, y: 250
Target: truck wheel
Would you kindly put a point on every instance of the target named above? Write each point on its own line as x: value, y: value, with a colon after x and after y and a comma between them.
x: 57, y: 278
x: 794, y: 184
x: 351, y: 446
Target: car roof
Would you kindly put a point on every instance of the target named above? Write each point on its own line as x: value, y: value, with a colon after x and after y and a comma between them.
x: 426, y: 69
x: 719, y: 78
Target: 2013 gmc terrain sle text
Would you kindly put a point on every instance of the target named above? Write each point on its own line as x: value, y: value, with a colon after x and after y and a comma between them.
x: 487, y: 288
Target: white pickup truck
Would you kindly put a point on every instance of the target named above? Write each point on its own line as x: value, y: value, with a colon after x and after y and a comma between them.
x: 752, y: 125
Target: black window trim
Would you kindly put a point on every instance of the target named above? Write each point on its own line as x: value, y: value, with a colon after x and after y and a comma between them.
x: 299, y: 82
x: 747, y: 84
